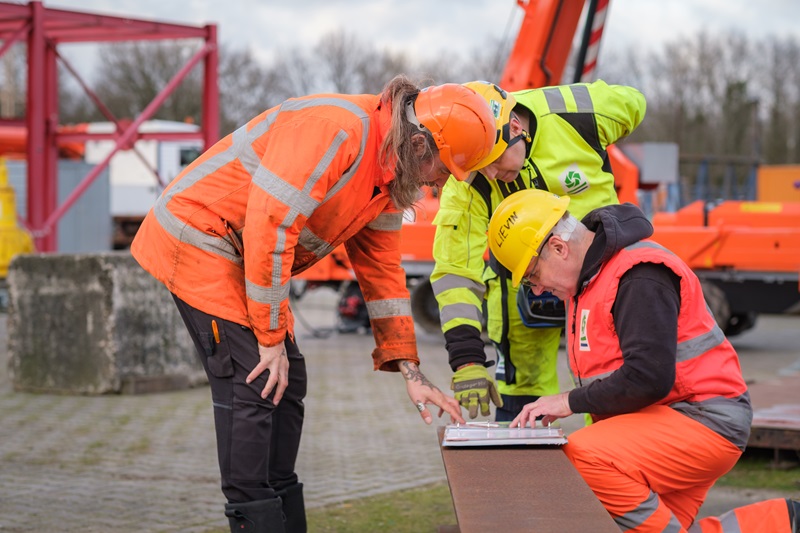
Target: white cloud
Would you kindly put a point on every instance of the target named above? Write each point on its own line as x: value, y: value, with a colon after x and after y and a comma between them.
x: 649, y: 23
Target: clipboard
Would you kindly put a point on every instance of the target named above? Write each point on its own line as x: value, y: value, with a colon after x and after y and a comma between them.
x: 499, y: 434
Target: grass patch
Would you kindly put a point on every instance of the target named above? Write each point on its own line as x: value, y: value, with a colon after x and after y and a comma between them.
x: 121, y: 421
x: 140, y: 446
x: 418, y: 510
x: 424, y: 509
x: 758, y: 469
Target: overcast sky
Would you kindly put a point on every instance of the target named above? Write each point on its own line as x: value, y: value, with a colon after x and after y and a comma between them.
x: 427, y: 28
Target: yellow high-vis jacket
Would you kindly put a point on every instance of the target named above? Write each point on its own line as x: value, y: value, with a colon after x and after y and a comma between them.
x: 574, y: 124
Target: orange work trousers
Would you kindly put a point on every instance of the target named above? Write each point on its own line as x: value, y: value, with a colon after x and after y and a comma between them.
x: 652, y: 469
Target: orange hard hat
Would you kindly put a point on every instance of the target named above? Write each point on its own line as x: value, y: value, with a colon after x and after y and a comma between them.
x: 461, y: 123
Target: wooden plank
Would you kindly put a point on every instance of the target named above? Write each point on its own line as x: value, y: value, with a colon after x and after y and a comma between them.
x: 779, y: 390
x: 776, y: 413
x: 775, y: 439
x: 530, y: 489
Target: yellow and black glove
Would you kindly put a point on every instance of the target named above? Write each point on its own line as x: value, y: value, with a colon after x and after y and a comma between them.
x: 472, y: 385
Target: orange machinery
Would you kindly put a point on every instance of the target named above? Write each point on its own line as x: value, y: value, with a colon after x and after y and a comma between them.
x: 747, y: 254
x: 537, y: 59
x: 14, y: 142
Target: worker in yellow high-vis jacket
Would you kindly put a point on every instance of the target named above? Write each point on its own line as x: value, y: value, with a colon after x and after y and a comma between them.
x: 552, y: 138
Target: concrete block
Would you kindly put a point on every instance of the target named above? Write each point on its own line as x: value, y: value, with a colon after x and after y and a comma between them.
x: 95, y: 324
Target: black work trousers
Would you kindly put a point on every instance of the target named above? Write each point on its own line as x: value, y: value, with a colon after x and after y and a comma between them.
x: 257, y: 441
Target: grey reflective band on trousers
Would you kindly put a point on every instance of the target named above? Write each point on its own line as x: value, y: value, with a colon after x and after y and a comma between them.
x: 636, y: 517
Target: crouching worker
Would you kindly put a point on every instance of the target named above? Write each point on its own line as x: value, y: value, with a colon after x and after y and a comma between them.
x: 267, y: 202
x: 671, y: 409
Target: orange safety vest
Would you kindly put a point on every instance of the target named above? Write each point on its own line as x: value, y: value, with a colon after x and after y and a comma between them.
x: 270, y: 200
x: 707, y: 365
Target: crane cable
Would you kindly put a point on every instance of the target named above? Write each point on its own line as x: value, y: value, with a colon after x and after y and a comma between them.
x: 294, y: 300
x: 503, y: 45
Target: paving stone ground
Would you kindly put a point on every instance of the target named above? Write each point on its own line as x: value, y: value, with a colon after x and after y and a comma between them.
x: 147, y: 463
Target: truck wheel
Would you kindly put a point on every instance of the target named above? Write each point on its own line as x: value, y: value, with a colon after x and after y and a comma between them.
x: 351, y: 310
x: 717, y: 302
x: 740, y: 323
x: 424, y: 307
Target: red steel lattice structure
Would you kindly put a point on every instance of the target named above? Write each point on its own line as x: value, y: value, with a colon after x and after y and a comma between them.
x: 43, y: 29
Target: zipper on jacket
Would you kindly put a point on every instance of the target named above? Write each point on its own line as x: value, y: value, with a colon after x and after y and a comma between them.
x: 235, y: 240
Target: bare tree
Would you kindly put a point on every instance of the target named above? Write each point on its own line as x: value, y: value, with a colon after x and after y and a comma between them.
x: 12, y: 82
x: 246, y: 88
x: 132, y: 74
x: 380, y: 67
x: 340, y: 57
x: 780, y: 97
x: 716, y: 94
x: 294, y: 74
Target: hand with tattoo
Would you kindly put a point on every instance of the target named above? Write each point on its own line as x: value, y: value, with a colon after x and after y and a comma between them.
x: 422, y: 392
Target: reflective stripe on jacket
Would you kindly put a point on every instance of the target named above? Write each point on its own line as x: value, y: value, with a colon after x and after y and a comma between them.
x: 574, y: 125
x: 289, y: 186
x: 707, y: 367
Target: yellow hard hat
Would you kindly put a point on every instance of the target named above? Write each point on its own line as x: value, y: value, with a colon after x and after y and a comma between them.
x: 520, y: 225
x: 461, y: 124
x: 500, y: 103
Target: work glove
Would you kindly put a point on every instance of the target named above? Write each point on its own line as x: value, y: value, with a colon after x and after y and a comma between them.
x: 472, y: 386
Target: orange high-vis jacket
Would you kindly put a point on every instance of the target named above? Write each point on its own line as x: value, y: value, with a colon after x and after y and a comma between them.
x: 273, y: 198
x: 707, y: 367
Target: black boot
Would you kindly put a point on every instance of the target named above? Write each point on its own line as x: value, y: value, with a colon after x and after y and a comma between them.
x: 294, y: 508
x: 260, y: 516
x: 794, y: 514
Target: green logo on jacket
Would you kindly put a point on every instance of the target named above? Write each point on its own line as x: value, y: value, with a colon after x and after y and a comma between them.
x: 572, y: 181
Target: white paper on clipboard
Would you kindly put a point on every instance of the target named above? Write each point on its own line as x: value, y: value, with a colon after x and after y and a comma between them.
x: 489, y: 434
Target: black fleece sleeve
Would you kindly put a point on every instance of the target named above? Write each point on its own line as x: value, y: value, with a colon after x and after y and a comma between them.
x: 646, y: 319
x: 464, y: 345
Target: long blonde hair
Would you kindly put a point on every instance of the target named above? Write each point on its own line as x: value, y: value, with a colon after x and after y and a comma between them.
x: 397, y: 149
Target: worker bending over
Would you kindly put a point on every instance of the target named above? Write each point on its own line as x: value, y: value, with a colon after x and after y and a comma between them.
x: 269, y: 201
x: 671, y: 409
x: 552, y: 138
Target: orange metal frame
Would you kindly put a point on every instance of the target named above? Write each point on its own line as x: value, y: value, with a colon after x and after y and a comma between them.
x: 44, y: 29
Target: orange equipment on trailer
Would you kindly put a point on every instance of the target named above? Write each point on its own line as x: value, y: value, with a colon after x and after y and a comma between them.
x: 538, y: 58
x: 14, y: 142
x: 747, y: 254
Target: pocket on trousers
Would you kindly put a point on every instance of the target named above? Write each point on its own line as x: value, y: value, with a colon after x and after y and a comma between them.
x: 218, y: 354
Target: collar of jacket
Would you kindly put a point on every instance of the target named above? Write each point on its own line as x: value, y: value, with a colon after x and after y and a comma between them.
x: 383, y: 118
